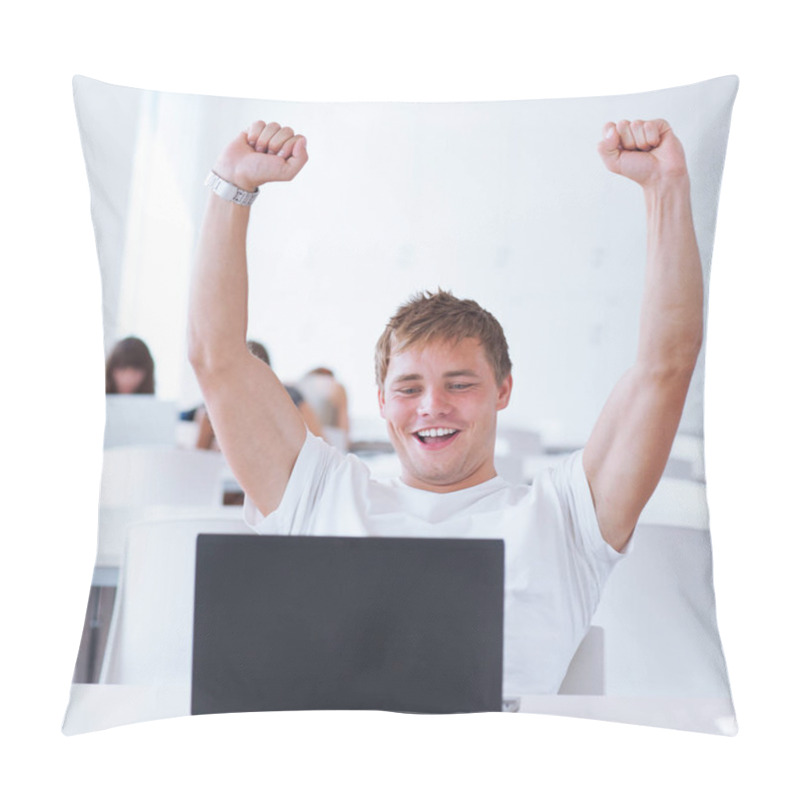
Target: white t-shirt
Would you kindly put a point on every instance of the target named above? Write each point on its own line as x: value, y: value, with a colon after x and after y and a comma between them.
x: 556, y: 561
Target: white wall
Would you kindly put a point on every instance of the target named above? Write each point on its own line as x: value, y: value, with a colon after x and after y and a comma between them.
x: 504, y: 202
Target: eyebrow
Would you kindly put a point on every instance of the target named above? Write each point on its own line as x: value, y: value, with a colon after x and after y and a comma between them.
x: 455, y: 373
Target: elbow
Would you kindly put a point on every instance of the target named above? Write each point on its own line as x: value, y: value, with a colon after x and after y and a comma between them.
x: 673, y: 358
x: 198, y: 353
x: 670, y: 369
x: 677, y: 370
x: 697, y: 341
x: 693, y: 348
x: 207, y: 360
x: 684, y: 357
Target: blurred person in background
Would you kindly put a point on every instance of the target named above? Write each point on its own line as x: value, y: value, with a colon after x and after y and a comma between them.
x: 328, y: 398
x: 130, y: 368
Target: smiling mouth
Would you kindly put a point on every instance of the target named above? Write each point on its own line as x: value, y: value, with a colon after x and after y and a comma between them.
x: 435, y: 436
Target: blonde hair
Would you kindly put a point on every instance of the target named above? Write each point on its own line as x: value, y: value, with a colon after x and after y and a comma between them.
x: 436, y: 316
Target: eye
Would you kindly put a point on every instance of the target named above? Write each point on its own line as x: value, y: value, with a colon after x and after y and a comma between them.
x: 408, y: 390
x: 461, y: 386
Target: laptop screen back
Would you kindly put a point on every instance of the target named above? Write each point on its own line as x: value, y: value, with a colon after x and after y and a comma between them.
x: 139, y: 419
x: 318, y: 622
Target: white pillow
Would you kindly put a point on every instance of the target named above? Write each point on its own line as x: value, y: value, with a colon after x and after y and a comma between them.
x: 506, y: 202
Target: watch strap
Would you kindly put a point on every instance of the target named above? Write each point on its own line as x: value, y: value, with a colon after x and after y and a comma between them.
x: 230, y: 191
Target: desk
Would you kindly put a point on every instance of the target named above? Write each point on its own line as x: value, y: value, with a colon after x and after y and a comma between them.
x: 698, y: 714
x: 96, y: 707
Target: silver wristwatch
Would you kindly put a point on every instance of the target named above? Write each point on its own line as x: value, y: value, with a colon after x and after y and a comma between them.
x: 230, y: 191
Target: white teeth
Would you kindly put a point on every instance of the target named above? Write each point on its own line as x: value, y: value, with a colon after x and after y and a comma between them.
x: 430, y: 432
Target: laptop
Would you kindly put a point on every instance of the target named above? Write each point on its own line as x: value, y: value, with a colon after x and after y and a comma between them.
x: 139, y: 419
x: 328, y: 622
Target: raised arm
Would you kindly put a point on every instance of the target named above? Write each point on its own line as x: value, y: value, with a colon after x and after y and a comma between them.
x: 631, y: 442
x: 256, y: 424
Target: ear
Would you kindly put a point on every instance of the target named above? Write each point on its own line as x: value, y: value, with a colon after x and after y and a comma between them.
x: 504, y: 392
x: 381, y: 401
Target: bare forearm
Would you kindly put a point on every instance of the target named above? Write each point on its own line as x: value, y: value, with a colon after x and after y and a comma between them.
x: 671, y: 328
x: 218, y: 297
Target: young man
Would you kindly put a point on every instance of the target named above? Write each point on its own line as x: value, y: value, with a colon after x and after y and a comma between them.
x: 443, y: 374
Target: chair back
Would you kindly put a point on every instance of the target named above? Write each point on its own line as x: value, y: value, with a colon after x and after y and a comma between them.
x: 160, y: 475
x: 657, y: 611
x: 518, y: 441
x: 150, y: 637
x: 586, y: 672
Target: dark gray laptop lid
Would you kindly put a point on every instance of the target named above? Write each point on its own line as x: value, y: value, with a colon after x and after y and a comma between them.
x: 322, y: 622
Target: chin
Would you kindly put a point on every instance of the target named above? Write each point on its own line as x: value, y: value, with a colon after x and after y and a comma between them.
x: 439, y: 480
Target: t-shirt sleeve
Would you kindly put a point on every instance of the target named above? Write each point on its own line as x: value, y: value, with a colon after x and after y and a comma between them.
x: 573, y: 487
x: 314, y: 463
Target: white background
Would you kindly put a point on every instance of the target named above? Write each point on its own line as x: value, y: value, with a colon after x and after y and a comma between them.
x: 52, y: 397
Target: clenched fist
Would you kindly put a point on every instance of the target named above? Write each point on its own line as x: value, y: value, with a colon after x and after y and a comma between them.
x: 261, y: 154
x: 647, y: 152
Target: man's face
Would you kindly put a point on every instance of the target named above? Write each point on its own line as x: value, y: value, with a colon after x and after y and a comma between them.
x: 440, y: 403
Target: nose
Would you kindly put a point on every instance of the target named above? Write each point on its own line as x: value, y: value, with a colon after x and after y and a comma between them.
x: 434, y: 402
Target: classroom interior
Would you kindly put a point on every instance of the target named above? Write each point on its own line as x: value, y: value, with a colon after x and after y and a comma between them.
x: 561, y: 270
